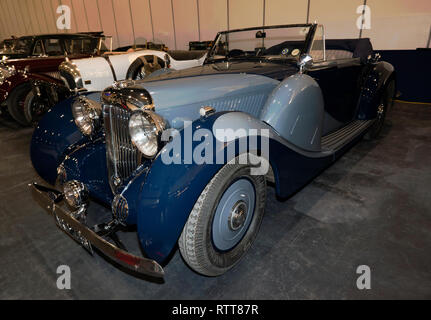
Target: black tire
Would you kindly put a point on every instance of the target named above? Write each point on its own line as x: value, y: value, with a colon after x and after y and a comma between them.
x: 33, y: 110
x: 15, y: 103
x: 143, y: 66
x: 196, y: 242
x: 385, y: 104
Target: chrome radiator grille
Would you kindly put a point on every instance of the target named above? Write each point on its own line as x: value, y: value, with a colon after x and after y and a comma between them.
x: 121, y: 155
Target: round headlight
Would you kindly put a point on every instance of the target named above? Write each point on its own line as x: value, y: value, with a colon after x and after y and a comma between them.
x: 86, y: 113
x: 75, y: 193
x: 145, y: 128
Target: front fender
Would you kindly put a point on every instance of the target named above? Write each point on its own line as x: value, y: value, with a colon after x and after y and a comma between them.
x: 10, y: 84
x: 87, y: 163
x: 54, y: 137
x: 163, y: 195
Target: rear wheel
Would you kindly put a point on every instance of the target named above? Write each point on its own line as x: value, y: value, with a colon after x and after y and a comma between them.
x: 224, y: 221
x: 386, y: 102
x: 15, y: 103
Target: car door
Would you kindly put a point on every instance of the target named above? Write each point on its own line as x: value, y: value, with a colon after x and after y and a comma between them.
x: 326, y: 74
x: 348, y: 83
x: 337, y: 74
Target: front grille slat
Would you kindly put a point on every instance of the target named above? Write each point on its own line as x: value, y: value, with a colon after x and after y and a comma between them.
x: 121, y: 154
x: 53, y: 74
x: 126, y: 148
x: 118, y: 141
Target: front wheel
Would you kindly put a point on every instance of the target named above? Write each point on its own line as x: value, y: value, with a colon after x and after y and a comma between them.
x: 34, y: 109
x: 224, y: 221
x: 15, y: 103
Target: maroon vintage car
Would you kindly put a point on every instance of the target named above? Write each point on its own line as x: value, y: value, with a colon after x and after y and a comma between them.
x: 41, y: 54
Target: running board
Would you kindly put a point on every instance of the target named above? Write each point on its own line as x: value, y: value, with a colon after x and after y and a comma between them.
x: 337, y: 139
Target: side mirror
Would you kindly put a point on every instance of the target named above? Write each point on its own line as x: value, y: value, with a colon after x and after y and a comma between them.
x: 305, y: 61
x: 260, y: 34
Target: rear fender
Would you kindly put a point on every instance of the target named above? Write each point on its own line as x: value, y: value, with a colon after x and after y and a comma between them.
x: 295, y: 110
x: 373, y: 87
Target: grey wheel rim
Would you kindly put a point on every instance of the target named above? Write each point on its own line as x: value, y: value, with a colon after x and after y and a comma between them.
x: 233, y: 215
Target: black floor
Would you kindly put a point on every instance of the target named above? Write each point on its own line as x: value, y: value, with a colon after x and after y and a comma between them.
x: 372, y: 207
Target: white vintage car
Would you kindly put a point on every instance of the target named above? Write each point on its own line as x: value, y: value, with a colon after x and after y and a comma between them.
x: 97, y: 73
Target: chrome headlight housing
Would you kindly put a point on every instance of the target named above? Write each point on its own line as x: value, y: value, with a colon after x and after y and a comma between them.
x: 87, y: 115
x: 145, y: 128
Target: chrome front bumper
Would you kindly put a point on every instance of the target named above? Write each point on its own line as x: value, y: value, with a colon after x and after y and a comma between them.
x: 52, y: 200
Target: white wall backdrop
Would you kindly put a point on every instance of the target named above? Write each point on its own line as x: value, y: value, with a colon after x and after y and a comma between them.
x: 395, y: 24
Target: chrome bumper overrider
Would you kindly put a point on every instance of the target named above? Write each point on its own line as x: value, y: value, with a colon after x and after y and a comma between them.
x: 52, y: 200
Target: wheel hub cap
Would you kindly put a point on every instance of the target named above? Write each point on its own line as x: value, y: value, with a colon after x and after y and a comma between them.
x: 233, y: 214
x: 238, y: 215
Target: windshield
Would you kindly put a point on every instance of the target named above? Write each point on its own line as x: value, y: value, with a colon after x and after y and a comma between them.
x: 84, y: 45
x: 17, y: 46
x: 5, y: 45
x: 277, y: 42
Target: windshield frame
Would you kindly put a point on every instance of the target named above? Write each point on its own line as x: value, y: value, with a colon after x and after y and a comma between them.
x: 307, y: 42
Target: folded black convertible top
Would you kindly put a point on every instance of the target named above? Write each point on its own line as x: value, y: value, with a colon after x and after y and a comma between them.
x: 361, y: 48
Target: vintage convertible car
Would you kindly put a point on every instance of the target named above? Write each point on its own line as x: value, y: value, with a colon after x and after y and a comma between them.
x: 95, y: 74
x: 40, y: 54
x: 186, y: 155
